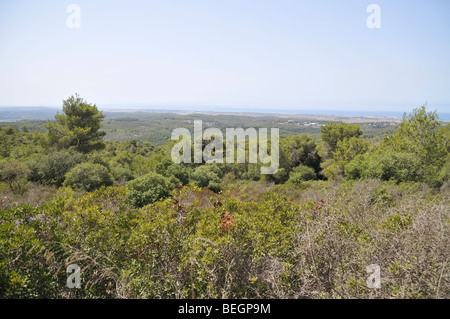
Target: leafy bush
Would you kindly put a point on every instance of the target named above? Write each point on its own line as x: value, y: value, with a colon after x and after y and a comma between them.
x: 444, y: 174
x: 122, y: 173
x: 426, y: 141
x: 207, y: 176
x: 386, y: 165
x: 181, y: 173
x: 299, y: 150
x: 300, y: 174
x: 253, y: 172
x: 162, y: 166
x: 147, y: 189
x: 97, y: 157
x: 334, y: 132
x: 51, y: 169
x: 26, y: 264
x: 88, y: 177
x: 355, y: 168
x: 14, y: 172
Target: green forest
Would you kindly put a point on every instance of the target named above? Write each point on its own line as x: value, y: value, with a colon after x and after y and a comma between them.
x: 81, y: 190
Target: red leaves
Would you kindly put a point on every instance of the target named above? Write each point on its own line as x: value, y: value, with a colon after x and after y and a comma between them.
x: 226, y: 223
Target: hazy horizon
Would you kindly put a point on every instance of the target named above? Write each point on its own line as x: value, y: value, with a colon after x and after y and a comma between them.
x: 136, y: 109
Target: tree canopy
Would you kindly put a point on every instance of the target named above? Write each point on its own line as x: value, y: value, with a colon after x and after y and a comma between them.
x: 334, y: 132
x: 78, y: 127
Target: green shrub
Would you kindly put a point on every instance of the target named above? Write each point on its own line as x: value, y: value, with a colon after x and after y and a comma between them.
x: 97, y: 157
x: 444, y: 174
x: 385, y: 164
x: 279, y: 177
x: 298, y: 150
x: 334, y: 132
x: 163, y: 165
x: 25, y: 263
x: 122, y: 173
x: 14, y: 173
x: 207, y: 176
x: 88, y: 177
x: 178, y: 171
x: 253, y: 172
x: 355, y: 168
x: 300, y: 174
x: 51, y: 169
x: 147, y: 189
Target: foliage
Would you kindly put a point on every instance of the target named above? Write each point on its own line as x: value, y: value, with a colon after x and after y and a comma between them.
x: 300, y: 174
x: 181, y: 173
x: 346, y: 150
x: 316, y: 244
x: 88, y: 177
x: 13, y: 172
x: 51, y: 168
x: 122, y: 174
x: 385, y: 165
x: 208, y: 175
x: 334, y: 132
x: 147, y: 189
x: 300, y: 150
x: 78, y: 127
x: 418, y: 151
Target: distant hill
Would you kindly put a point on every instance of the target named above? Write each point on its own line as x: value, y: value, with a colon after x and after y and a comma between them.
x: 8, y: 114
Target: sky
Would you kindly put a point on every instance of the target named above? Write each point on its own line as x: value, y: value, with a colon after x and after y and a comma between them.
x: 221, y: 54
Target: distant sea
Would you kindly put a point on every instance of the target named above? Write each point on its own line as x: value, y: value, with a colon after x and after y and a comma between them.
x: 442, y: 116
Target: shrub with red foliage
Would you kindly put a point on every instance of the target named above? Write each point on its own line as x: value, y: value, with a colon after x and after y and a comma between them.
x: 226, y: 223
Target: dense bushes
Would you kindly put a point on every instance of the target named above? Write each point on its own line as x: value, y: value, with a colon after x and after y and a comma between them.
x: 147, y: 189
x: 88, y: 177
x: 300, y: 174
x: 122, y: 174
x: 299, y: 150
x: 51, y: 168
x: 385, y: 165
x: 25, y: 267
x: 207, y: 176
x: 418, y: 151
x: 316, y: 244
x: 14, y: 172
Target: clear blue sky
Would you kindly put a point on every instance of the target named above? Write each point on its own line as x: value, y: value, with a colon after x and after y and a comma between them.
x: 256, y: 54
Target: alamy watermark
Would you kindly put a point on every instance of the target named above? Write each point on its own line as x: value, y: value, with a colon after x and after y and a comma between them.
x: 74, y: 279
x: 374, y: 19
x: 74, y: 19
x: 213, y: 152
x: 374, y: 279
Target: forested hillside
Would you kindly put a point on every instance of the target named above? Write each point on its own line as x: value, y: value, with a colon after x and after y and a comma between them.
x: 141, y: 226
x: 156, y: 127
